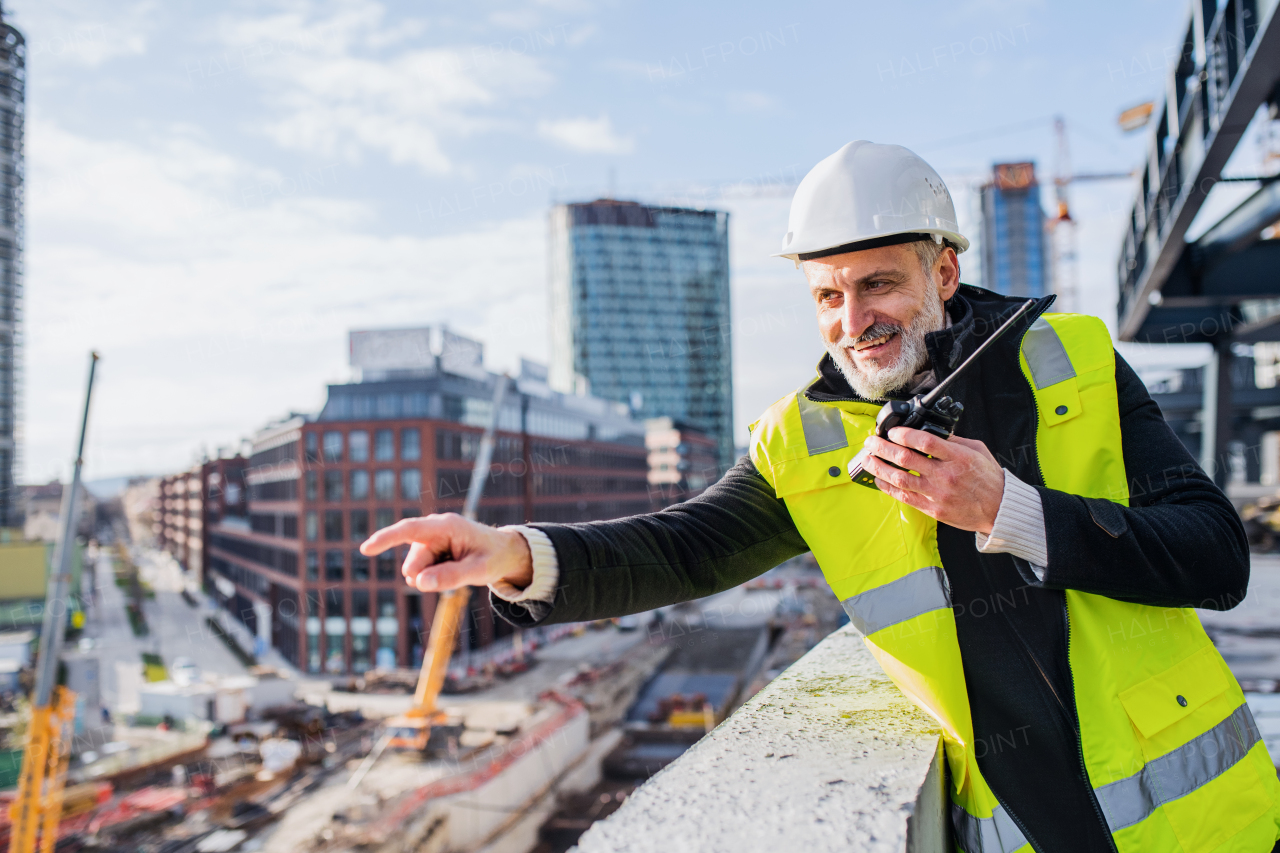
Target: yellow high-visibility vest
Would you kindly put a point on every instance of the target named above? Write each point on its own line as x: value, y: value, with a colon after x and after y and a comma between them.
x: 1171, y: 750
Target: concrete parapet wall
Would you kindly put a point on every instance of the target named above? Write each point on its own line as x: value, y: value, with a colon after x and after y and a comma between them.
x: 828, y: 757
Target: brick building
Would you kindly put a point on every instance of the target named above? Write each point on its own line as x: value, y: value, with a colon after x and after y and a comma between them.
x: 178, y: 519
x: 401, y: 443
x: 683, y: 460
x: 188, y: 503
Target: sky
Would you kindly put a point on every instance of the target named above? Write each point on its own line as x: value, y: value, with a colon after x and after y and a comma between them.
x: 217, y: 193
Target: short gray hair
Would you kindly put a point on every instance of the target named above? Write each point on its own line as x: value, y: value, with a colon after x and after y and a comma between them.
x: 928, y: 251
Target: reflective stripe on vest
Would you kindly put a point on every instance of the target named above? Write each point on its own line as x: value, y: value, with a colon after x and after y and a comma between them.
x: 823, y: 429
x: 1046, y: 356
x: 995, y: 834
x: 1178, y: 773
x: 906, y: 598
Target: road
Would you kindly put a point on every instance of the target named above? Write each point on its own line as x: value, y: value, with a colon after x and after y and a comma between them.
x: 177, y: 629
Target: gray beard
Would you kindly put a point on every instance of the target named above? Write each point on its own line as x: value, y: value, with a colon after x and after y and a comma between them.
x: 876, y: 383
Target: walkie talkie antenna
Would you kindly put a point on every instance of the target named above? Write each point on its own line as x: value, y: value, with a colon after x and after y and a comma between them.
x: 937, y: 391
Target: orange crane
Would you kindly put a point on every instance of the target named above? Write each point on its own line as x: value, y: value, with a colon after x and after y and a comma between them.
x: 412, y: 729
x: 37, y: 808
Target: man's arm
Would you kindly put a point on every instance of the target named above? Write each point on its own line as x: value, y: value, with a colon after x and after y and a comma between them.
x: 735, y: 530
x: 1179, y: 543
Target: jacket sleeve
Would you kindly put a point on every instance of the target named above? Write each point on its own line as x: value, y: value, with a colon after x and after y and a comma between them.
x: 1179, y: 543
x: 735, y: 530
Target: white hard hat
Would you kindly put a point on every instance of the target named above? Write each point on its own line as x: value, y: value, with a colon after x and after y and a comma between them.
x: 869, y: 195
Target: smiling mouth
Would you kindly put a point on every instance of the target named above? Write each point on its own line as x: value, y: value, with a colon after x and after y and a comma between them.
x: 875, y: 344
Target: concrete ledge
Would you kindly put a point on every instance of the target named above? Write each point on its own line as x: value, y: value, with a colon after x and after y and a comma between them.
x: 829, y: 757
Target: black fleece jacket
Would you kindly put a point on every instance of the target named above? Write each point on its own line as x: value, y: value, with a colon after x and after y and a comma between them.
x: 1178, y: 543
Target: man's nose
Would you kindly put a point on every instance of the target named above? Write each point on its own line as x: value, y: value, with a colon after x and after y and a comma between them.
x: 855, y: 319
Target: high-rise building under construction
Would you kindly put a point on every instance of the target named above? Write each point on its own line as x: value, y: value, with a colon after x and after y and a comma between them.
x: 1014, y: 249
x: 12, y: 113
x: 640, y: 311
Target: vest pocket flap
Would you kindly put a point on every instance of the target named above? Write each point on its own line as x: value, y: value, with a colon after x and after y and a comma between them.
x: 795, y: 476
x: 1060, y: 403
x: 1164, y: 699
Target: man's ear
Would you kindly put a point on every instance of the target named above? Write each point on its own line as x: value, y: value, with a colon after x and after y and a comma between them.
x: 946, y: 273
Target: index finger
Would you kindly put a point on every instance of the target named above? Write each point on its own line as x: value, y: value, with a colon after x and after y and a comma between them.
x: 925, y: 442
x: 434, y: 532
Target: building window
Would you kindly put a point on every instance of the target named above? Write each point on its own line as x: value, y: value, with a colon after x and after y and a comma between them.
x: 313, y: 630
x: 410, y: 512
x: 359, y: 524
x: 332, y: 525
x: 311, y: 485
x: 359, y: 567
x: 384, y: 485
x: 333, y: 485
x: 333, y: 447
x: 384, y: 445
x: 410, y: 484
x: 359, y: 485
x: 388, y: 629
x: 386, y: 566
x: 333, y: 566
x: 313, y: 566
x: 361, y: 630
x: 335, y: 631
x: 410, y: 445
x: 313, y: 526
x: 384, y: 517
x: 358, y: 445
x: 312, y: 447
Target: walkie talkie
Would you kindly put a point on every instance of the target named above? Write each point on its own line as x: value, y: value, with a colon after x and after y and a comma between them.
x: 933, y: 413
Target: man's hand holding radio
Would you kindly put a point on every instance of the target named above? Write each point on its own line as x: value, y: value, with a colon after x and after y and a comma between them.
x: 961, y: 485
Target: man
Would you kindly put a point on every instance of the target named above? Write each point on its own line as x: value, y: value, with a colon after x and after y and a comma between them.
x: 1031, y: 576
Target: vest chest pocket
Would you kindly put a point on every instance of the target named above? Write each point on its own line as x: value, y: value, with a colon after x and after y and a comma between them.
x: 850, y: 529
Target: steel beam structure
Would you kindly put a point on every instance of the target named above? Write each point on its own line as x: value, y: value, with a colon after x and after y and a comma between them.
x: 1229, y: 64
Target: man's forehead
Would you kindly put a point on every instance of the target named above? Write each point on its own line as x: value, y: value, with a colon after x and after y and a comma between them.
x: 897, y: 261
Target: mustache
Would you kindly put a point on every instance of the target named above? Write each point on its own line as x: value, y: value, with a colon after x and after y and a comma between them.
x: 875, y: 330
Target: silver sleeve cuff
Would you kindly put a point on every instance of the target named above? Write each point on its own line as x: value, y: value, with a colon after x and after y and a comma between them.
x: 1019, y: 527
x: 546, y: 570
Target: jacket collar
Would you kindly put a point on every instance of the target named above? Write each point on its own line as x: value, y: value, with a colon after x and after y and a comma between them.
x: 975, y: 313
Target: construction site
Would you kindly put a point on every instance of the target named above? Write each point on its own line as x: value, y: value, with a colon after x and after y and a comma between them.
x: 337, y: 770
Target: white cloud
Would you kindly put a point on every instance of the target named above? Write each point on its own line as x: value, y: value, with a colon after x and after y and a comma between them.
x: 218, y: 304
x: 336, y: 89
x: 588, y: 135
x: 75, y: 33
x: 750, y: 102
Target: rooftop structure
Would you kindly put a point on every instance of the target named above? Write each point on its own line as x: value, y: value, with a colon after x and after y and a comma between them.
x: 1219, y: 287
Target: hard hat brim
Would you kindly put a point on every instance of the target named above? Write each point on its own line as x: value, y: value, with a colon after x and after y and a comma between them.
x: 957, y: 240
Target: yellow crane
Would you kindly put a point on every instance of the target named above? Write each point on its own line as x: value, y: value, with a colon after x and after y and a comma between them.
x: 412, y: 729
x: 37, y: 808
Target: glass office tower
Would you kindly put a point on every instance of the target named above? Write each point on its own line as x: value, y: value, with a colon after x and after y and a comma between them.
x: 1014, y: 244
x: 12, y: 110
x: 640, y: 311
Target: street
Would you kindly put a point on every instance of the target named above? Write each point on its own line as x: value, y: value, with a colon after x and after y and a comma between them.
x: 176, y: 629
